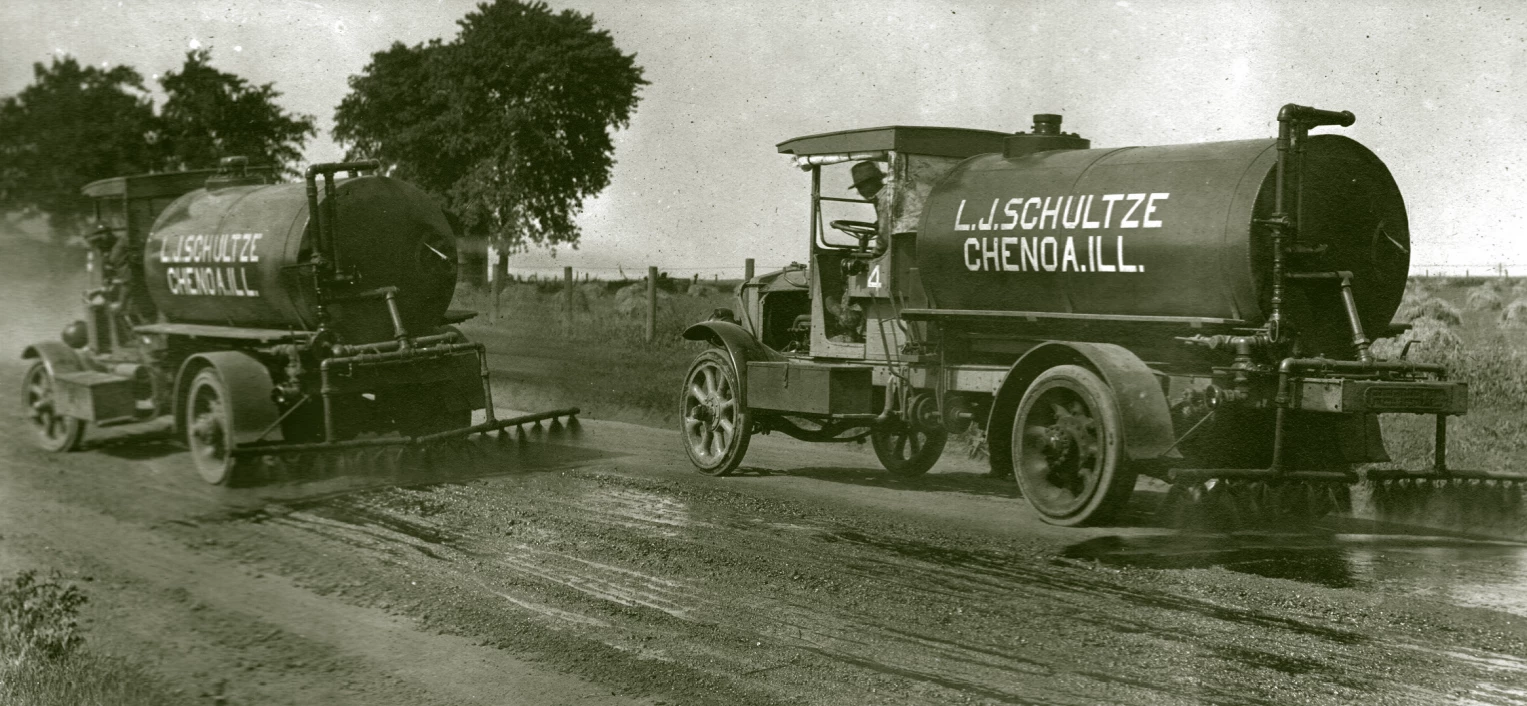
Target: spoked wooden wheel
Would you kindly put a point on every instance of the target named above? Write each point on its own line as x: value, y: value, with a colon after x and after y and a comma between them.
x: 717, y: 426
x: 1067, y: 448
x: 905, y: 450
x: 209, y: 427
x: 51, y: 430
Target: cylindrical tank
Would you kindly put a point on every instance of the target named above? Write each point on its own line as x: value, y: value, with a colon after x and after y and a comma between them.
x: 236, y: 256
x: 1168, y: 231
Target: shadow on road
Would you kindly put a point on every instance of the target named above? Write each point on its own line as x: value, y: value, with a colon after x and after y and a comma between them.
x: 965, y: 483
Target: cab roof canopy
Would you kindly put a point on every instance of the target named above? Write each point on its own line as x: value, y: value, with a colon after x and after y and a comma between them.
x: 148, y: 185
x: 934, y: 141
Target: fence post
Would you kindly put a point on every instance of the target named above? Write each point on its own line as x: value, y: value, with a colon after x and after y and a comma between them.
x: 567, y: 292
x: 651, y: 304
x: 747, y: 269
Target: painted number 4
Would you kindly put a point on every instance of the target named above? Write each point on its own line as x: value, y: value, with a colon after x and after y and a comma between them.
x: 874, y: 281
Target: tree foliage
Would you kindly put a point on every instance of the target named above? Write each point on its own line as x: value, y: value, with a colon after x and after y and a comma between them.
x: 74, y: 124
x: 210, y: 114
x: 510, y: 123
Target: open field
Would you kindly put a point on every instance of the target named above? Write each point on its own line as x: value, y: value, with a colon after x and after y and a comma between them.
x: 1478, y: 328
x: 599, y: 358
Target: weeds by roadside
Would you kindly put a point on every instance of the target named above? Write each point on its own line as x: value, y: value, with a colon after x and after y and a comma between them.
x: 42, y: 659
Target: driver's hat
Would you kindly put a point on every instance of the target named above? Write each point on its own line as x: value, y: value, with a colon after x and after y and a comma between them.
x: 865, y: 172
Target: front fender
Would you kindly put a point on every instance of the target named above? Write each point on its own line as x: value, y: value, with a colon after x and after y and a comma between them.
x: 740, y: 346
x: 56, y: 357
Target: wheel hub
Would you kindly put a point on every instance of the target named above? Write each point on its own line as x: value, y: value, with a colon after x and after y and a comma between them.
x: 208, y: 430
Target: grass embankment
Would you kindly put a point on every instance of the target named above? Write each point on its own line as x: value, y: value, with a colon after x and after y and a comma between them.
x: 598, y: 357
x: 1476, y: 326
x: 44, y: 661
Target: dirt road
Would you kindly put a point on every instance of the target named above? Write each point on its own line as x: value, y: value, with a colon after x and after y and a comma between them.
x: 603, y: 571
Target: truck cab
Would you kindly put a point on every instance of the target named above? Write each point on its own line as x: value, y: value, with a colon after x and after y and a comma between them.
x: 863, y: 241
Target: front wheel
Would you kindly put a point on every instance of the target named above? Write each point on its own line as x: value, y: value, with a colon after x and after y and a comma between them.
x: 716, y: 424
x: 1067, y: 448
x: 51, y: 430
x: 907, y: 451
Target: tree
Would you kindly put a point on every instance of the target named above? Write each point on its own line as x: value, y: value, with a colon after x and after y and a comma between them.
x: 510, y: 124
x: 74, y: 124
x: 209, y: 114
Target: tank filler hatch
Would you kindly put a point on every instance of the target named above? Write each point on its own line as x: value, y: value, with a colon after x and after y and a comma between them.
x: 1046, y: 136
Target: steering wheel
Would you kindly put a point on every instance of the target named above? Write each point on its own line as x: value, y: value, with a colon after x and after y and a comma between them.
x: 859, y: 230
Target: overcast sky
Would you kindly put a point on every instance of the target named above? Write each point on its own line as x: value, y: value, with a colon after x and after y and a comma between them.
x: 1439, y: 89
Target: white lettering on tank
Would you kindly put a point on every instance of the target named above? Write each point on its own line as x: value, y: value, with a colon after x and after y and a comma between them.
x: 990, y: 253
x: 1150, y: 207
x: 991, y: 218
x: 1087, y: 213
x: 1026, y: 223
x: 1128, y: 222
x: 1047, y: 253
x: 1068, y: 260
x: 1123, y: 267
x: 1103, y: 266
x: 1108, y: 215
x: 1066, y: 213
x: 1010, y: 208
x: 958, y: 213
x: 1007, y: 255
x: 1053, y: 214
x: 972, y: 254
x: 1028, y: 254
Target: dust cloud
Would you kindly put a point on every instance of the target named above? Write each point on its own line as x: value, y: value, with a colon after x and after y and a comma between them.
x: 42, y: 288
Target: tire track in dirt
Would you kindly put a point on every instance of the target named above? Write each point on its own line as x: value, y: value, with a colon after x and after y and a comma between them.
x: 732, y: 585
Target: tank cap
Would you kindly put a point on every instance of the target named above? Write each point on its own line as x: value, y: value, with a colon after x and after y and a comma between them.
x: 1046, y: 124
x: 235, y: 171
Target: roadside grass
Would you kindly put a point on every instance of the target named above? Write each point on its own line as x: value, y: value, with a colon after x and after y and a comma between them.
x: 83, y: 679
x: 43, y: 660
x: 608, y: 369
x: 1481, y: 345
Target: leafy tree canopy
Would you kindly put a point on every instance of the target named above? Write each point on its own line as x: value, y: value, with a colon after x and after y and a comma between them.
x: 74, y: 124
x: 510, y: 123
x: 210, y: 114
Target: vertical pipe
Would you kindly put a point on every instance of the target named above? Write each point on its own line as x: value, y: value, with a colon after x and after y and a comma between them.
x: 398, y: 331
x: 1439, y: 453
x: 1355, y: 321
x: 329, y: 212
x: 567, y: 293
x: 327, y: 391
x: 816, y: 193
x: 651, y: 304
x: 747, y: 269
x: 1279, y: 440
x: 487, y: 384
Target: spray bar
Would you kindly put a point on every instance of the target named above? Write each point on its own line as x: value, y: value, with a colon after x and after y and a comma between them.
x: 263, y: 448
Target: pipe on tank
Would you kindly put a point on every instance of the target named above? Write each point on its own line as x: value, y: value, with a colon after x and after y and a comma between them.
x: 1294, y: 122
x: 324, y: 232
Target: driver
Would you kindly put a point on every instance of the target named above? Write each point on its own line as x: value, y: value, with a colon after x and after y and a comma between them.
x: 868, y: 181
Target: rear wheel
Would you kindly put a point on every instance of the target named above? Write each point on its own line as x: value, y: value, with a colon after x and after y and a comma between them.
x: 716, y: 424
x: 209, y: 427
x: 1067, y: 448
x: 51, y: 430
x: 906, y: 450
